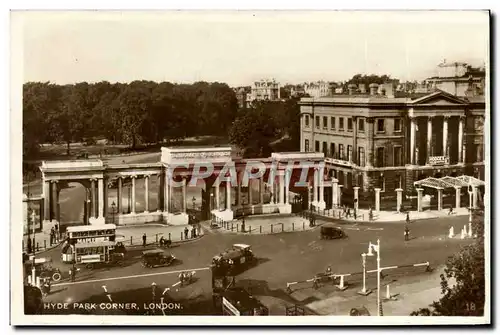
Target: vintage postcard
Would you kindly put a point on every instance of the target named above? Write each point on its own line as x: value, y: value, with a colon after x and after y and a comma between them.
x: 301, y: 168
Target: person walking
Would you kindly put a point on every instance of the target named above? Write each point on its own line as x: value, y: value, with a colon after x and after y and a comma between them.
x: 407, y: 217
x: 407, y: 233
x: 57, y: 233
x: 52, y: 236
x: 348, y: 213
x: 144, y: 240
x: 370, y: 214
x: 186, y: 231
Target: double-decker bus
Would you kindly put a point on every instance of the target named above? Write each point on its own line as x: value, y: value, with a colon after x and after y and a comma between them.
x: 86, y: 235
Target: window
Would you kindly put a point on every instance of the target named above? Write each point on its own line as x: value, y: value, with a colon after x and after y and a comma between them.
x: 380, y: 125
x: 325, y: 148
x: 381, y: 183
x: 349, y: 124
x: 360, y: 180
x: 332, y: 150
x: 325, y: 122
x: 317, y: 122
x: 332, y: 122
x: 397, y: 156
x: 361, y: 156
x: 341, y: 123
x: 316, y: 146
x: 349, y: 153
x: 380, y: 157
x: 341, y: 152
x: 306, y: 146
x: 397, y: 125
x: 307, y: 120
x: 361, y: 124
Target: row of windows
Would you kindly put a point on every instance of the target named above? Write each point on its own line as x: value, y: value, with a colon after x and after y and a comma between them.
x: 361, y: 123
x: 338, y: 152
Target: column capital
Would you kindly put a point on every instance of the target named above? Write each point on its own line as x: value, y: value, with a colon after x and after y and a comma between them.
x: 462, y: 117
x: 134, y: 176
x: 54, y: 181
x: 446, y: 117
x: 147, y: 175
x: 430, y: 117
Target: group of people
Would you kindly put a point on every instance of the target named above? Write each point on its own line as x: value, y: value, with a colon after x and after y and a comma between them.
x: 164, y: 242
x: 347, y: 212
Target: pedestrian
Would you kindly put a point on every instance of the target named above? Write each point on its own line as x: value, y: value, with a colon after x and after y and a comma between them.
x: 186, y: 231
x: 57, y: 233
x: 348, y: 213
x: 144, y: 240
x: 451, y: 210
x: 407, y: 217
x: 370, y: 214
x: 194, y: 232
x: 52, y: 236
x: 407, y: 233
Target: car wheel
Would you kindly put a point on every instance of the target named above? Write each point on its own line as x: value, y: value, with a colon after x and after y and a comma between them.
x: 56, y: 277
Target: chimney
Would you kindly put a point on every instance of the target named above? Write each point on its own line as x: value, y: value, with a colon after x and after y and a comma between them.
x: 373, y: 88
x: 362, y: 88
x: 389, y: 90
x: 351, y: 88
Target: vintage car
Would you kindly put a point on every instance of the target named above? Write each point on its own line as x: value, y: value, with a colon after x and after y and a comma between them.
x: 156, y: 257
x: 330, y: 232
x: 236, y: 258
x: 43, y: 268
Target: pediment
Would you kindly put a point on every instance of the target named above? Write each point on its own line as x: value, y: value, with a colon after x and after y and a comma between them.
x: 439, y: 98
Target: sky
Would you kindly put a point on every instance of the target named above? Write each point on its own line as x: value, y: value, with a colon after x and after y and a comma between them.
x: 240, y: 47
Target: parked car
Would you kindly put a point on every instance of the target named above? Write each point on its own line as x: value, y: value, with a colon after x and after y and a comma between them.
x: 157, y: 257
x: 330, y: 232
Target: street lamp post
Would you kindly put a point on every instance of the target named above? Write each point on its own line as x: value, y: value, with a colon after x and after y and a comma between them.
x: 364, y: 291
x: 113, y: 206
x: 376, y: 248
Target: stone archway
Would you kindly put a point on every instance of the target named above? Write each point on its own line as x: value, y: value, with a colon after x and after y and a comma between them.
x: 74, y: 202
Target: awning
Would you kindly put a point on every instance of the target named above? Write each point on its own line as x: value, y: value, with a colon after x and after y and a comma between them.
x: 469, y: 180
x: 449, y: 182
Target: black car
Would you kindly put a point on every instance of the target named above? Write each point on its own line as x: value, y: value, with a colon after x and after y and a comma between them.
x: 156, y: 257
x: 330, y: 232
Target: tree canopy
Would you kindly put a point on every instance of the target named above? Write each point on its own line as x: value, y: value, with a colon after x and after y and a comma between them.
x: 256, y: 128
x: 139, y: 112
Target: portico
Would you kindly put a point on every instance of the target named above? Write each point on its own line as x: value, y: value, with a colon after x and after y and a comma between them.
x: 457, y: 183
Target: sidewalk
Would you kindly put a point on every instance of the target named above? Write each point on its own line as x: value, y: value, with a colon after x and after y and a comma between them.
x: 264, y: 224
x: 132, y: 235
x: 387, y: 216
x: 410, y: 294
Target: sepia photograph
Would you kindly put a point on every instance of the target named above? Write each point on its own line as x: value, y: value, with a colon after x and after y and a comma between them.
x: 299, y: 167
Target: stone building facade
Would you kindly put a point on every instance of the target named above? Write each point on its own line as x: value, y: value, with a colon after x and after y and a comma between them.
x: 378, y: 141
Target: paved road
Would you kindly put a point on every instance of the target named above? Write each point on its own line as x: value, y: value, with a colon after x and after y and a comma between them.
x: 283, y: 258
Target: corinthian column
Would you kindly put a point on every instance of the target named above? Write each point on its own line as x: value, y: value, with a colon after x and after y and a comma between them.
x: 429, y: 138
x: 445, y: 135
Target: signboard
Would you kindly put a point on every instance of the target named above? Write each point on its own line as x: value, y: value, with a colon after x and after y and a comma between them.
x: 439, y: 160
x: 229, y: 308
